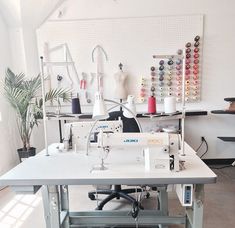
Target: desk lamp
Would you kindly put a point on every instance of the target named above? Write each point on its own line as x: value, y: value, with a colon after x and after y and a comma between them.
x: 99, y: 109
x: 99, y: 112
x: 130, y: 105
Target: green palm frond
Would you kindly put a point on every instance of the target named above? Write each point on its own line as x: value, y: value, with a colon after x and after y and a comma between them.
x: 18, y: 99
x: 33, y: 86
x: 13, y: 80
x: 54, y: 94
x: 22, y: 94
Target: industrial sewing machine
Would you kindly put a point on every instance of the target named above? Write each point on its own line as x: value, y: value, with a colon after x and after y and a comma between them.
x: 161, y: 154
x: 77, y: 133
x: 161, y: 150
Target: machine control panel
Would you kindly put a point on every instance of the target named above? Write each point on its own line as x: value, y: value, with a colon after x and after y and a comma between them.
x: 185, y: 194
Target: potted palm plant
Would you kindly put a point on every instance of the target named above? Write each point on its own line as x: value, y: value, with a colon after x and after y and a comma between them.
x: 23, y: 95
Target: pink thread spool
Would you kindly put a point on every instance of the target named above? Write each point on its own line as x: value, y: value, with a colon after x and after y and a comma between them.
x: 152, y: 105
x: 187, y: 77
x: 178, y: 72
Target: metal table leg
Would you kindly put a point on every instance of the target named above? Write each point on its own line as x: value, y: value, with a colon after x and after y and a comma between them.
x: 163, y: 200
x: 64, y: 205
x: 45, y: 199
x: 194, y: 214
x: 51, y: 206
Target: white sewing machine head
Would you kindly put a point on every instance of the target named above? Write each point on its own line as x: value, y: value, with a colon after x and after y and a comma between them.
x: 76, y: 133
x: 161, y: 150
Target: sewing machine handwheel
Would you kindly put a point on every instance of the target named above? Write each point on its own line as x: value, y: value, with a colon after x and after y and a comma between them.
x: 91, y: 196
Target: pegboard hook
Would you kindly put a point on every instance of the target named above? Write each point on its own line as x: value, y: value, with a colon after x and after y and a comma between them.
x: 102, y: 49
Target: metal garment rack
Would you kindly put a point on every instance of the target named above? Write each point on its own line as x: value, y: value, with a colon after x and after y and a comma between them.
x: 76, y: 117
x: 66, y: 62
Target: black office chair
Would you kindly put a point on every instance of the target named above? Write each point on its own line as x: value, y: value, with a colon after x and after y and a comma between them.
x: 129, y: 125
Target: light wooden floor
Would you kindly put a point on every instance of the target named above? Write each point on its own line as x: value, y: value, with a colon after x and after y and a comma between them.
x: 26, y: 211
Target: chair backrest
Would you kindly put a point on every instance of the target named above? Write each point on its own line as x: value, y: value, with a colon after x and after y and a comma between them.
x: 129, y: 124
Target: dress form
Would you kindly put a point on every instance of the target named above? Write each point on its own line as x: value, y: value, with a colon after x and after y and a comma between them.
x: 120, y: 91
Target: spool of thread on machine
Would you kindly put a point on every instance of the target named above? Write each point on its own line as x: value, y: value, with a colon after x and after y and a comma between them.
x: 170, y: 105
x: 76, y: 108
x: 152, y: 105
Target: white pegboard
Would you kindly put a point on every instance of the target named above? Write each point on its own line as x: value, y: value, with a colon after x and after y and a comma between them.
x: 131, y: 41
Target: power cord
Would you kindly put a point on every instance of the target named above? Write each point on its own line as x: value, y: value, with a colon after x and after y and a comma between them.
x: 207, y: 147
x: 199, y: 146
x: 203, y: 140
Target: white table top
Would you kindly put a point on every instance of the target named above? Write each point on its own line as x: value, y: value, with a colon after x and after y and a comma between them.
x: 124, y: 167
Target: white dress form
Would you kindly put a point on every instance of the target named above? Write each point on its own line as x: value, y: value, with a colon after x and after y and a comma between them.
x: 120, y: 91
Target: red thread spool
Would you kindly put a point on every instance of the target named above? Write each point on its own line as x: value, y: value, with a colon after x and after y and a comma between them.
x: 195, y: 72
x: 187, y: 66
x: 195, y: 66
x: 188, y: 50
x: 152, y: 105
x: 187, y: 72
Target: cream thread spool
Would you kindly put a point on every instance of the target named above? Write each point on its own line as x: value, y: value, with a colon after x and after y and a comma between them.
x: 178, y: 99
x: 170, y: 105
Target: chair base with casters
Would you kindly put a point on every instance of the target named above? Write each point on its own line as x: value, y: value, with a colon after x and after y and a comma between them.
x: 118, y: 193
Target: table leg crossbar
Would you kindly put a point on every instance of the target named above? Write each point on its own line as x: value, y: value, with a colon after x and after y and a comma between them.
x: 57, y: 215
x: 122, y: 218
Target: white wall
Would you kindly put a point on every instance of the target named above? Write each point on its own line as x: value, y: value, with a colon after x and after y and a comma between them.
x: 18, y: 22
x: 8, y: 132
x: 218, y: 79
x: 218, y: 53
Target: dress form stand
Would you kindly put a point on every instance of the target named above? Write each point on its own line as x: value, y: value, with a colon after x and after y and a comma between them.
x: 120, y: 87
x: 120, y: 91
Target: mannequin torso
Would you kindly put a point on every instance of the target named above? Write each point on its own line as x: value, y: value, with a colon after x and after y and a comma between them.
x: 120, y: 91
